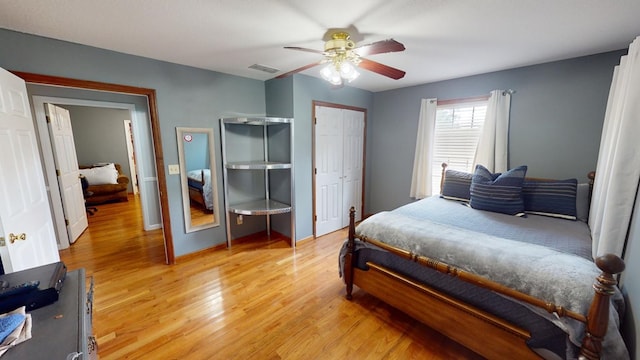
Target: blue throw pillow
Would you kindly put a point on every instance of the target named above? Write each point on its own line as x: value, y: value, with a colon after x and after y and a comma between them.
x: 555, y: 198
x: 456, y: 185
x: 498, y: 192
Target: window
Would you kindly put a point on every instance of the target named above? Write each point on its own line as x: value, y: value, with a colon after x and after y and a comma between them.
x: 457, y: 130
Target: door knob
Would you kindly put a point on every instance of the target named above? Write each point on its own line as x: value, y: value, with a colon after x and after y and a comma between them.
x: 13, y: 237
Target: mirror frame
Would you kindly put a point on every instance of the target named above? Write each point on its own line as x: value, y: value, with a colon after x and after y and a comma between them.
x: 186, y: 201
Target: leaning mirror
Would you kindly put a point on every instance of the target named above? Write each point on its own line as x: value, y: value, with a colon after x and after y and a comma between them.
x: 198, y: 178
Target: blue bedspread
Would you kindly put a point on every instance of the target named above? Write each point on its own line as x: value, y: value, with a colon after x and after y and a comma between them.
x: 572, y: 237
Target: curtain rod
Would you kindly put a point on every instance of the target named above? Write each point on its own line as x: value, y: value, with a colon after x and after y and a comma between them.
x: 463, y: 100
x: 472, y: 99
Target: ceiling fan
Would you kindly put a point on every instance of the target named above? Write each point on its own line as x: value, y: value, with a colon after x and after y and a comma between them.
x: 343, y: 57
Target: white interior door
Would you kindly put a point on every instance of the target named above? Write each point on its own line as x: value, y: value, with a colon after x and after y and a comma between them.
x: 64, y: 153
x: 128, y: 133
x: 339, y: 154
x: 27, y: 238
x: 352, y: 163
x: 328, y: 161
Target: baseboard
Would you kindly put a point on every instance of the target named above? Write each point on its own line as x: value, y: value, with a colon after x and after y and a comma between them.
x: 305, y: 239
x: 199, y: 253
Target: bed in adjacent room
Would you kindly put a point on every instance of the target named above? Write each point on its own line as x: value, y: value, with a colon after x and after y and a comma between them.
x: 200, y: 190
x: 499, y: 263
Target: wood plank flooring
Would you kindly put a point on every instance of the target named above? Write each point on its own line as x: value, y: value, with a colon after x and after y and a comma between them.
x: 260, y: 299
x: 200, y: 216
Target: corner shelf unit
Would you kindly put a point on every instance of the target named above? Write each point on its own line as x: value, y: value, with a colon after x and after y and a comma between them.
x: 257, y: 155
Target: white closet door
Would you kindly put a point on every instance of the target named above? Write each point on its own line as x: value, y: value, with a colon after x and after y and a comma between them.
x: 352, y: 165
x: 339, y: 154
x: 328, y: 143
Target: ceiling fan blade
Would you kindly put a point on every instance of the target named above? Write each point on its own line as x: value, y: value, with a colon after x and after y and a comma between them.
x: 379, y: 47
x: 381, y: 69
x: 304, y: 49
x: 300, y: 69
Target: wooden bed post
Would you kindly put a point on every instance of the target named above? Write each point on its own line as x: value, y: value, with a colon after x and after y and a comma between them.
x: 444, y: 170
x: 598, y: 317
x: 351, y: 245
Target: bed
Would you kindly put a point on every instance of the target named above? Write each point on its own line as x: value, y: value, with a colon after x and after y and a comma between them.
x: 199, y: 183
x: 505, y: 286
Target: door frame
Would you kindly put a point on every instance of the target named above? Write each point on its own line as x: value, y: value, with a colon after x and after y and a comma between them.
x: 313, y: 152
x: 155, y: 131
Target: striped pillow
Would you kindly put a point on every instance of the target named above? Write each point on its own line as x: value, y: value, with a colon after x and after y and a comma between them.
x: 555, y: 198
x: 456, y: 185
x: 498, y: 192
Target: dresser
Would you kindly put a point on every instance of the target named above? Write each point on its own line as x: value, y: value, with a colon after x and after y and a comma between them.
x: 61, y: 330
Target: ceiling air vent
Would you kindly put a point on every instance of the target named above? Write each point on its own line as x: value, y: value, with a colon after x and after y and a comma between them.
x: 264, y: 68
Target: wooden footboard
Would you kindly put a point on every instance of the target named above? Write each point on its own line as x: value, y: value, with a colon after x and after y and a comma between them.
x: 454, y: 319
x: 197, y: 194
x: 448, y: 315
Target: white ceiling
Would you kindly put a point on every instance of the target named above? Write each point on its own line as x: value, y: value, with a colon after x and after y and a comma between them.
x: 444, y: 39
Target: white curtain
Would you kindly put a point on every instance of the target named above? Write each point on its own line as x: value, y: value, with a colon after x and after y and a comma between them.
x: 618, y: 168
x: 493, y: 143
x: 421, y: 180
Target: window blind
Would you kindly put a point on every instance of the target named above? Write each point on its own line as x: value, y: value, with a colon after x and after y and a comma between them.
x: 456, y: 135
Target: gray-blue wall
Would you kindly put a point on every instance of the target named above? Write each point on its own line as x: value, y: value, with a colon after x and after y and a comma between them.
x: 196, y: 152
x: 556, y: 120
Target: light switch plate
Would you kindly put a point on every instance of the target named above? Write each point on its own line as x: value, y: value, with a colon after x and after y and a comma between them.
x: 174, y: 169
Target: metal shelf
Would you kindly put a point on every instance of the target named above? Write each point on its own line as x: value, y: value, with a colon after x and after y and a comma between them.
x: 260, y: 207
x: 276, y: 140
x: 257, y: 165
x: 256, y: 121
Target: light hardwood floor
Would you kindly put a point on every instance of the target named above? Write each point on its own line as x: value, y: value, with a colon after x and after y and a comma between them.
x: 260, y: 299
x: 200, y: 216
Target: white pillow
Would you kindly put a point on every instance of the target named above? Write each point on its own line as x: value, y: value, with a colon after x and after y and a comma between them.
x: 101, y: 175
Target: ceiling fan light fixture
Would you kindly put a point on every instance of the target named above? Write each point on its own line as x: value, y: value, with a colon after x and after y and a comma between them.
x: 348, y: 71
x: 340, y: 69
x: 331, y: 74
x: 342, y: 57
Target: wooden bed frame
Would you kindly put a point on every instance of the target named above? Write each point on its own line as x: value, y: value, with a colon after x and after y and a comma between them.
x: 197, y: 195
x: 450, y: 316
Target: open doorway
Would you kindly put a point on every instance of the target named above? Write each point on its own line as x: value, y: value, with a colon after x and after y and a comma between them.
x: 155, y: 161
x: 98, y: 137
